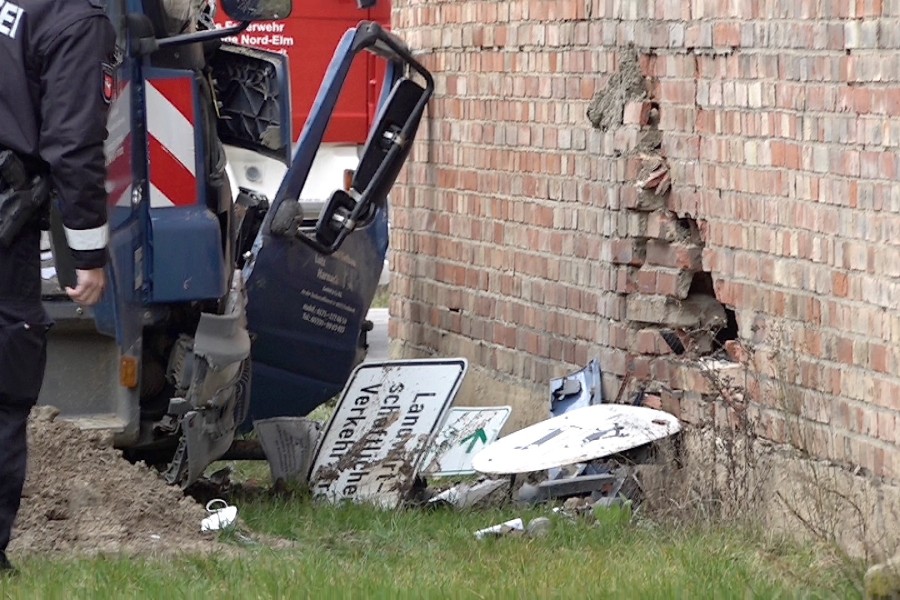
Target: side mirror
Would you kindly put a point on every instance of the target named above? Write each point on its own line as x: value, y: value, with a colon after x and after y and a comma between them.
x: 386, y: 150
x: 390, y: 141
x: 257, y: 10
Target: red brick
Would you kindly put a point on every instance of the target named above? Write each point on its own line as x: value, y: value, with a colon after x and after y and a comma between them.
x: 887, y: 427
x: 652, y: 401
x: 878, y: 357
x: 628, y: 252
x: 661, y: 225
x: 648, y: 341
x: 646, y: 281
x: 869, y: 8
x: 637, y: 113
x: 671, y: 402
x: 727, y: 34
x: 675, y: 256
x: 515, y: 211
x: 673, y: 282
x: 736, y: 351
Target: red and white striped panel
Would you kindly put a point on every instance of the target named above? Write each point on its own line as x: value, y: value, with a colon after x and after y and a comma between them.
x: 170, y: 127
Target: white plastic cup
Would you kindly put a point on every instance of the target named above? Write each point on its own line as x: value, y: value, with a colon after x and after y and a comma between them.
x: 220, y: 518
x: 501, y: 529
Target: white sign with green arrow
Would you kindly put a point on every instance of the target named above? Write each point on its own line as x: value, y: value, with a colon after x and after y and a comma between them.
x: 465, y: 432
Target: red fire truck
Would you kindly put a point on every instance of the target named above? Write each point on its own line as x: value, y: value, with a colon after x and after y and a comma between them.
x: 308, y: 38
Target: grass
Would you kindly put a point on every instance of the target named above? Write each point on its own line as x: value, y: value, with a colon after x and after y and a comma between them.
x: 382, y: 297
x: 352, y: 551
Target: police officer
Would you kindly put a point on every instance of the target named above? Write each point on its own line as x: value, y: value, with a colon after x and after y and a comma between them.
x: 55, y: 87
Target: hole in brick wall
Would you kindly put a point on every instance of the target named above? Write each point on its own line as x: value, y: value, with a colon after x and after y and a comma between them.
x: 653, y: 117
x: 709, y: 338
x: 687, y: 229
x: 702, y: 283
x: 606, y: 110
x: 729, y: 332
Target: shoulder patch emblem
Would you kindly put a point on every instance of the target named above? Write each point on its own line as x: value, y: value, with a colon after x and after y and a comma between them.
x: 107, y: 82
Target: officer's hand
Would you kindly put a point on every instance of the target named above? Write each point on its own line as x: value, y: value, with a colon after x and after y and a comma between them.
x: 91, y: 284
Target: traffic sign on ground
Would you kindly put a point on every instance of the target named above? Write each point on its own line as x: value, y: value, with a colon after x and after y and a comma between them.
x: 465, y: 432
x: 579, y: 435
x: 387, y: 415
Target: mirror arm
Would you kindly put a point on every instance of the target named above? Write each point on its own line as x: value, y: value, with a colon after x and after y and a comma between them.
x: 406, y: 56
x: 362, y: 205
x: 202, y: 36
x: 384, y: 43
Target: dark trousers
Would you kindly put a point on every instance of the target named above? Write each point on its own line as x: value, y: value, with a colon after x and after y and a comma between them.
x: 13, y: 455
x: 23, y: 356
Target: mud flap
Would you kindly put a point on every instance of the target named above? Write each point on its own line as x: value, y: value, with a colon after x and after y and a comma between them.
x: 208, y: 435
x: 218, y: 391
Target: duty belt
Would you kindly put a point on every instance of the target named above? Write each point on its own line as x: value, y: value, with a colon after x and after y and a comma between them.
x: 17, y: 170
x: 24, y: 199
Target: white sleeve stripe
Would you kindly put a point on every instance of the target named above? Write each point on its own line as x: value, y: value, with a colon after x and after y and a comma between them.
x: 88, y: 239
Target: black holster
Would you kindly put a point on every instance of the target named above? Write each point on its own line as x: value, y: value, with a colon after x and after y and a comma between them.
x: 24, y: 199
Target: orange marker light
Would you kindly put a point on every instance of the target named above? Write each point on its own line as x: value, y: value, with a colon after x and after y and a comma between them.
x: 128, y: 372
x: 348, y: 179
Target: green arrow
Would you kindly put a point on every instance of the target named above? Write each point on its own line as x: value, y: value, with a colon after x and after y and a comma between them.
x: 478, y: 435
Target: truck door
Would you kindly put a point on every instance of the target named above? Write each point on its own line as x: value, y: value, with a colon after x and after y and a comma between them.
x: 311, y: 278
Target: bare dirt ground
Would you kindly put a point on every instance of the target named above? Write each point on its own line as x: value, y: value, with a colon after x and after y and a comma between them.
x: 81, y: 496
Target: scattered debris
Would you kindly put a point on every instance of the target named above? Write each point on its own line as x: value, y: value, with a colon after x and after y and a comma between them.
x: 289, y: 444
x: 469, y: 496
x: 584, y: 434
x: 654, y: 175
x: 221, y: 478
x: 539, y: 527
x: 576, y: 504
x: 606, y: 510
x: 609, y: 502
x: 219, y: 518
x: 572, y: 486
x: 512, y: 526
x: 386, y: 417
x: 465, y: 431
x: 527, y: 494
x: 576, y: 390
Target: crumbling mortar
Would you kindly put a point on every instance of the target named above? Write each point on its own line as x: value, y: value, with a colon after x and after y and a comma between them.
x: 606, y: 112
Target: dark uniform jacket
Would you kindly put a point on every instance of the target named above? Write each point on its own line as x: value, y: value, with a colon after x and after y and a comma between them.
x: 55, y: 85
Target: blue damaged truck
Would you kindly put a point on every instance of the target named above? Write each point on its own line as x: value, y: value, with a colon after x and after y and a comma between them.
x: 224, y: 305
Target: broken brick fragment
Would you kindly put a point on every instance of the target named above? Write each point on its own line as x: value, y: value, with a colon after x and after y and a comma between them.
x: 638, y: 112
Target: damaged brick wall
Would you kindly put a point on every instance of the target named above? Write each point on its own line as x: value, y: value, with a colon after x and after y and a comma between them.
x: 644, y: 182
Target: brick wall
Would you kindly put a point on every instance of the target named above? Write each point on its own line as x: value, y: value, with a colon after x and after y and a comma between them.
x: 647, y: 182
